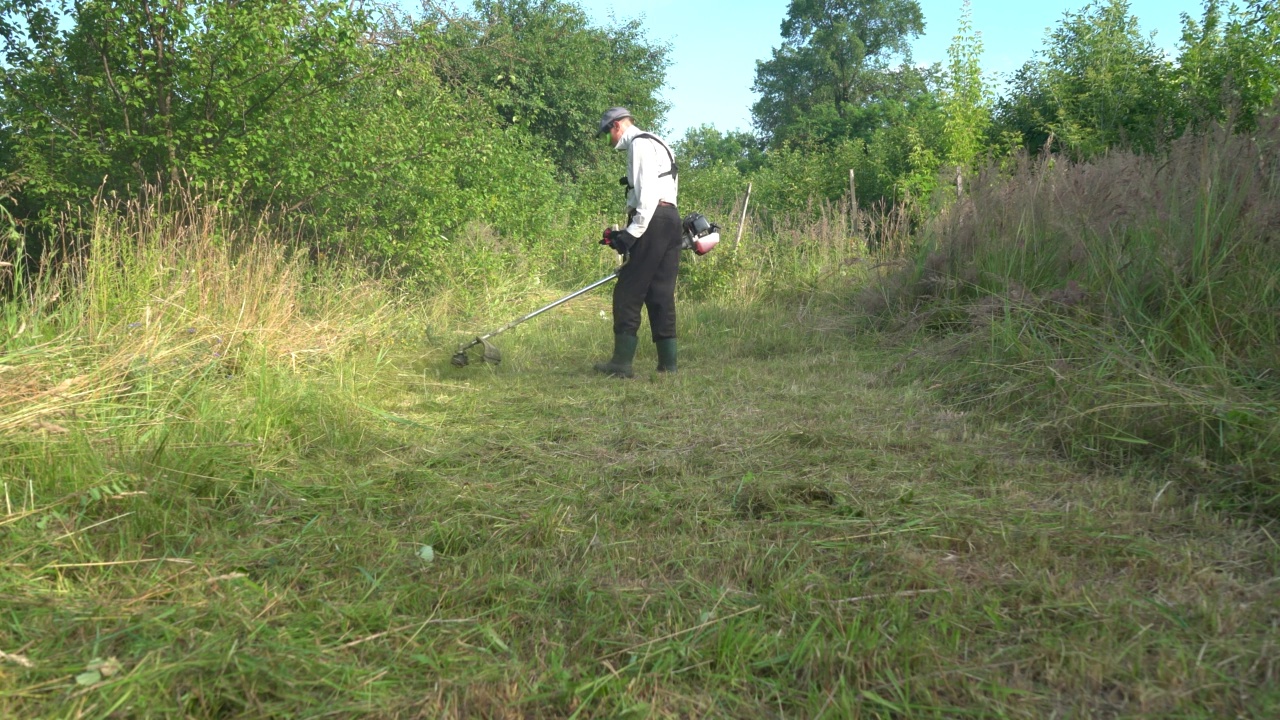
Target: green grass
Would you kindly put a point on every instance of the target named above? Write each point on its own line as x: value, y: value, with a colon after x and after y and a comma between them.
x: 776, y: 531
x: 1124, y: 309
x: 222, y: 470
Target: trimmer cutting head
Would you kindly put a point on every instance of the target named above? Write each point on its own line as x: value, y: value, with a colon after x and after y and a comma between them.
x: 492, y: 354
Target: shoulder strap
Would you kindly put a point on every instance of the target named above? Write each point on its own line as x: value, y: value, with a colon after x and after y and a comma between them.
x: 674, y: 171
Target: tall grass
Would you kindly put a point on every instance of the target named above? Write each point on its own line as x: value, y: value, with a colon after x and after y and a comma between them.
x: 808, y: 255
x: 174, y: 290
x: 1126, y: 306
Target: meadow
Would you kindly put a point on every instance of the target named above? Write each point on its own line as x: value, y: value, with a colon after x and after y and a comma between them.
x: 239, y: 483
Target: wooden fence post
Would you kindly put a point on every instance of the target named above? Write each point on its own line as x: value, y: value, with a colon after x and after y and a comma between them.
x: 742, y: 223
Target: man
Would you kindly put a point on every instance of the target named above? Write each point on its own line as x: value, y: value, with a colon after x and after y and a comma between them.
x: 652, y: 241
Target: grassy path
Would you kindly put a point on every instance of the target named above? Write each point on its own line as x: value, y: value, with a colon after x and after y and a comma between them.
x: 773, y: 532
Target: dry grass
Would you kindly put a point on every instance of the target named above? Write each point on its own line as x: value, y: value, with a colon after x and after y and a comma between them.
x: 178, y: 290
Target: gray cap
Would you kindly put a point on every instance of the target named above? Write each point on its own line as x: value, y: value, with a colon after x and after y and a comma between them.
x: 611, y: 116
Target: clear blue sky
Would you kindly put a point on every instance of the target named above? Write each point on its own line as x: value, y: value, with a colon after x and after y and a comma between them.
x: 715, y: 43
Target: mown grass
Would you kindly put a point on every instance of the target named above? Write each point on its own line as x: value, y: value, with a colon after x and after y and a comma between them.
x: 231, y: 521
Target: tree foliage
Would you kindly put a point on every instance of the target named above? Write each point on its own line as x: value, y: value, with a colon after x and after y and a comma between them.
x: 835, y: 99
x: 1100, y: 84
x: 542, y: 67
x: 966, y: 99
x: 394, y: 135
x: 1109, y: 83
x: 1229, y: 63
x: 382, y: 133
x: 707, y: 147
x: 142, y: 91
x: 416, y: 165
x: 833, y: 69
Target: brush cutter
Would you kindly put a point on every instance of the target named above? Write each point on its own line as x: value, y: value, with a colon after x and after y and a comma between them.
x: 491, y: 352
x: 700, y: 236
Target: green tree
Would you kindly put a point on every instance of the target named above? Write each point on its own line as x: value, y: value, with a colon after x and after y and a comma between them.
x: 1027, y: 111
x: 543, y: 67
x: 1229, y: 63
x: 1110, y: 85
x: 831, y: 73
x: 904, y: 156
x: 796, y: 177
x: 715, y: 166
x: 966, y: 102
x: 410, y: 166
x: 316, y: 108
x: 707, y: 147
x: 111, y: 95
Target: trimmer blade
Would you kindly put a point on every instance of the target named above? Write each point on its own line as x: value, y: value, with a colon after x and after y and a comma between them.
x: 460, y: 359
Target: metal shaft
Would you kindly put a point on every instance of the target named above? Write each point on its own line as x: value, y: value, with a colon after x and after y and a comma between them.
x: 543, y: 309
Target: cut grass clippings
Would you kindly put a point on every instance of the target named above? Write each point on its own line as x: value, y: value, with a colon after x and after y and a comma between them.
x: 774, y: 531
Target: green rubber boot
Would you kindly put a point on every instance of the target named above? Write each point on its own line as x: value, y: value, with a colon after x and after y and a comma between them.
x: 666, y: 355
x: 624, y: 351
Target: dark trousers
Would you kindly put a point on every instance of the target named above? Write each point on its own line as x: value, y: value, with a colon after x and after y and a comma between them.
x: 649, y: 278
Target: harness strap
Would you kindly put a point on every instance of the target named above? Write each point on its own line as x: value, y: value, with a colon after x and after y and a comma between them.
x: 674, y: 172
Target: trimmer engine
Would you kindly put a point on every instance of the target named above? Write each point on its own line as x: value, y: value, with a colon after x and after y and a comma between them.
x: 700, y: 234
